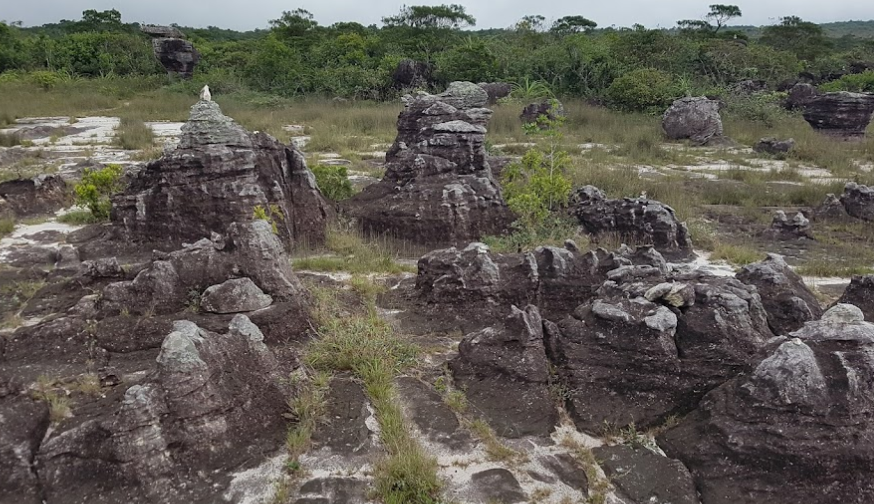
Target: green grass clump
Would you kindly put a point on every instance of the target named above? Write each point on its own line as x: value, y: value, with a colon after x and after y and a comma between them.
x: 829, y: 267
x: 739, y: 255
x: 134, y: 134
x: 354, y: 254
x: 307, y: 407
x: 78, y: 218
x: 7, y: 225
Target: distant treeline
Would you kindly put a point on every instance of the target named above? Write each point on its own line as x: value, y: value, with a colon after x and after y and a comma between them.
x: 632, y: 68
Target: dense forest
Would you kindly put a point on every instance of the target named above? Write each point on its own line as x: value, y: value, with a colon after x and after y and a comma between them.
x: 627, y: 68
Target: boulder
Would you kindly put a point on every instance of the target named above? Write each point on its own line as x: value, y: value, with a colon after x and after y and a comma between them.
x: 831, y: 208
x: 438, y: 187
x: 800, y: 95
x: 177, y: 55
x: 795, y: 426
x: 784, y: 228
x: 637, y: 220
x: 860, y: 293
x: 774, y: 146
x: 234, y: 296
x: 787, y: 301
x: 165, y: 285
x: 551, y: 108
x: 504, y: 373
x: 213, y: 405
x: 694, y: 118
x: 750, y: 86
x: 496, y: 90
x: 858, y: 200
x: 650, y: 345
x: 218, y: 175
x: 842, y: 114
x: 644, y: 477
x: 23, y: 424
x: 411, y: 74
x: 44, y: 194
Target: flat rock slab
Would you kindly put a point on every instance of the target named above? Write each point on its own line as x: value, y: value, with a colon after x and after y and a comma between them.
x: 567, y: 470
x: 333, y: 491
x: 234, y: 296
x: 644, y: 477
x: 497, y: 485
x: 345, y: 430
x: 431, y: 415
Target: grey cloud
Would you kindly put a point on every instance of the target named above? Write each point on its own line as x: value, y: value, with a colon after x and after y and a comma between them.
x: 248, y: 14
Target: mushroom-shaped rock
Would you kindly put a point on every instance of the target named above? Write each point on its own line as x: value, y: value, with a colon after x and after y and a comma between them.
x: 842, y: 114
x: 858, y: 200
x: 784, y: 228
x: 797, y: 423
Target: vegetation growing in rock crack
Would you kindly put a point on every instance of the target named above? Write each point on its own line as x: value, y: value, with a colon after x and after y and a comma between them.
x: 94, y: 190
x: 333, y: 181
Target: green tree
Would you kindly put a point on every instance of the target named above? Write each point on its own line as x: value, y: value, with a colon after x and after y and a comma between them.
x: 642, y: 90
x: 805, y: 39
x: 294, y: 25
x: 450, y: 17
x: 721, y: 14
x: 572, y: 24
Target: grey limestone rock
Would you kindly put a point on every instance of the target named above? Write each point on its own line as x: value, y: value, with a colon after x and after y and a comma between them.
x: 234, y: 296
x: 694, y: 118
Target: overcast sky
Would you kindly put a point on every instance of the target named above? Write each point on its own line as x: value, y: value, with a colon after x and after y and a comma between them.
x: 249, y: 14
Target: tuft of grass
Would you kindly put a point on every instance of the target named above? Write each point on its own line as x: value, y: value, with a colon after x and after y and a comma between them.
x: 133, y: 134
x: 78, y: 218
x: 495, y: 449
x: 307, y: 408
x: 46, y: 389
x: 739, y: 255
x: 88, y: 384
x: 9, y: 139
x: 598, y: 483
x: 829, y: 267
x: 7, y: 225
x: 354, y: 254
x: 456, y: 400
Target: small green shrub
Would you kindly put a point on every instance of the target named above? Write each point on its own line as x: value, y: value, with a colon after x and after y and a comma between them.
x: 858, y: 83
x: 94, y: 190
x: 270, y: 214
x: 133, y: 134
x: 333, y: 181
x: 78, y: 217
x: 642, y: 90
x: 763, y: 108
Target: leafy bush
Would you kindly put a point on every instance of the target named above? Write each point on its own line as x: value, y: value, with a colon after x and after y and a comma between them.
x: 642, y: 90
x: 764, y: 108
x: 333, y: 181
x: 96, y: 187
x: 859, y: 83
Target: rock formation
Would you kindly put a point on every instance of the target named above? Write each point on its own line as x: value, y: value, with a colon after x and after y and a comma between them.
x: 860, y: 293
x: 438, y: 187
x: 842, y: 114
x: 788, y: 302
x: 783, y: 228
x: 215, y: 403
x: 177, y: 55
x: 694, y: 118
x: 218, y: 175
x: 40, y: 195
x: 651, y: 345
x: 800, y: 95
x: 796, y: 426
x: 858, y: 200
x: 412, y: 74
x: 551, y: 108
x: 774, y: 146
x: 503, y: 362
x: 496, y: 90
x: 642, y: 477
x: 637, y: 220
x: 23, y: 424
x: 831, y: 208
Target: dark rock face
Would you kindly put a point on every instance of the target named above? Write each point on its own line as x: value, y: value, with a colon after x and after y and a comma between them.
x: 788, y: 302
x: 650, y: 345
x: 774, y: 146
x: 412, y: 74
x: 497, y: 485
x: 505, y: 374
x: 638, y: 220
x: 23, y: 423
x: 496, y: 90
x: 346, y: 407
x: 552, y: 109
x: 795, y: 426
x: 860, y: 293
x: 643, y: 477
x: 438, y: 188
x: 217, y: 176
x: 831, y: 208
x: 432, y: 416
x: 784, y: 228
x: 250, y: 250
x: 696, y: 119
x: 333, y: 491
x: 177, y: 55
x: 841, y: 114
x: 858, y: 200
x: 237, y: 295
x: 800, y: 95
x: 38, y: 196
x: 214, y: 404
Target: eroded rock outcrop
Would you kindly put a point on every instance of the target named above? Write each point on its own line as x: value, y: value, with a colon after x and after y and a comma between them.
x: 860, y: 293
x: 552, y: 109
x: 694, y: 118
x: 218, y: 175
x: 774, y: 146
x: 800, y: 95
x: 643, y: 477
x: 177, y: 55
x: 40, y: 195
x: 651, y: 345
x: 784, y: 228
x: 504, y: 373
x: 637, y: 220
x: 858, y: 200
x: 23, y: 424
x: 797, y: 425
x: 213, y: 404
x: 438, y: 188
x: 496, y: 90
x: 788, y: 302
x: 841, y: 113
x: 412, y: 74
